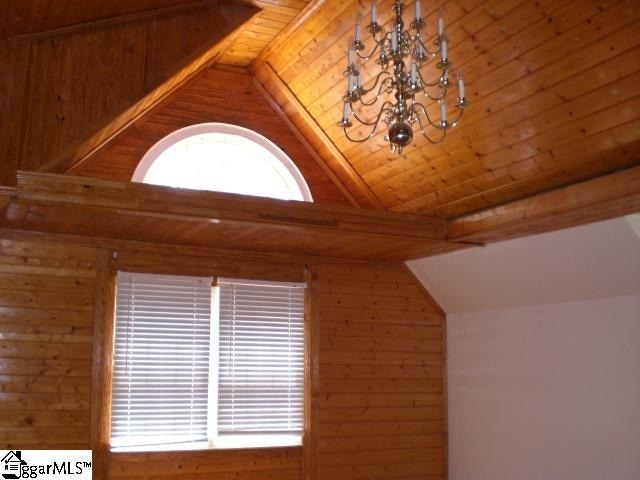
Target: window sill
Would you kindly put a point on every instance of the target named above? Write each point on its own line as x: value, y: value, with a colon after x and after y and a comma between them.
x: 228, y: 442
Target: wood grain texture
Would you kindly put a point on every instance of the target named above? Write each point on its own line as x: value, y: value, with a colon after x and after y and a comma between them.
x: 77, y: 80
x: 14, y: 56
x: 553, y: 87
x: 380, y: 400
x: 331, y: 157
x: 134, y: 211
x: 76, y: 154
x: 102, y: 363
x: 206, y: 99
x: 46, y: 320
x: 601, y: 198
x: 374, y: 359
x: 27, y: 17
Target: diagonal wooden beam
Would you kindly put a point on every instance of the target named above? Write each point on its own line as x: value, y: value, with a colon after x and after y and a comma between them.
x: 303, y: 139
x: 597, y: 199
x: 329, y: 154
x: 237, y: 19
x: 310, y: 10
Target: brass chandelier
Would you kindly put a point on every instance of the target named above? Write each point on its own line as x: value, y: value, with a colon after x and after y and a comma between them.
x: 401, y: 56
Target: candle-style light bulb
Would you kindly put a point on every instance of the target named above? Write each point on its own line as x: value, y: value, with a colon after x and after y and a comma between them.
x: 418, y: 8
x: 345, y: 111
x: 413, y: 72
x: 440, y: 27
x: 444, y: 49
x: 443, y: 112
x: 374, y: 12
x: 358, y: 28
x: 460, y: 86
x: 351, y: 83
x: 350, y: 56
x: 394, y: 40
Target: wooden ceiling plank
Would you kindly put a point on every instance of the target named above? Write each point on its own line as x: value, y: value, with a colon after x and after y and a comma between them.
x: 602, y: 109
x: 590, y: 54
x: 605, y: 197
x: 284, y: 36
x: 321, y: 68
x: 33, y: 17
x: 489, y: 66
x: 335, y: 162
x: 75, y: 156
x: 495, y: 167
x: 458, y: 36
x: 592, y: 166
x: 559, y: 97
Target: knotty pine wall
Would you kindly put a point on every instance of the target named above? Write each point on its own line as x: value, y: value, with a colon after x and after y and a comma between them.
x: 374, y: 344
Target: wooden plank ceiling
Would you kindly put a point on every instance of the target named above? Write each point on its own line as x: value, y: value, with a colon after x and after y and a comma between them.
x: 553, y: 86
x: 24, y: 17
x: 554, y: 90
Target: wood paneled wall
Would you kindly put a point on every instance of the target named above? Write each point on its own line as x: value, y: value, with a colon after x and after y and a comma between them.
x: 379, y: 407
x: 218, y: 94
x: 46, y: 325
x: 375, y: 367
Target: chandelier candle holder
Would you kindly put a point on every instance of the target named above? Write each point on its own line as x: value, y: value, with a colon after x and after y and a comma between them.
x: 399, y: 93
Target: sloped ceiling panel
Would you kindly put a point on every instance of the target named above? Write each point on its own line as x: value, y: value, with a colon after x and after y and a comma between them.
x: 78, y: 80
x: 553, y: 89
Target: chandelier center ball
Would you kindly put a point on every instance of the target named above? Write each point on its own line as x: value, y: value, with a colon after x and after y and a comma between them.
x: 400, y: 134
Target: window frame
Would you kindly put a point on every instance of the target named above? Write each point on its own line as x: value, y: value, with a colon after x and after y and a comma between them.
x: 227, y: 441
x: 224, y: 128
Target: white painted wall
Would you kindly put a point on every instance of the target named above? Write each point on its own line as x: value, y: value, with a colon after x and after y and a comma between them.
x: 543, y: 339
x: 547, y: 392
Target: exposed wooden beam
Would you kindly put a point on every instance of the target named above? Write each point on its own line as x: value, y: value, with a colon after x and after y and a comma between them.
x: 132, y: 211
x: 78, y: 153
x: 307, y: 126
x: 312, y: 7
x: 300, y: 136
x: 600, y: 198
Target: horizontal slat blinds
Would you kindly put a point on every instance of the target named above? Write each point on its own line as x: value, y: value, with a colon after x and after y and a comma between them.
x: 261, y: 359
x: 161, y: 359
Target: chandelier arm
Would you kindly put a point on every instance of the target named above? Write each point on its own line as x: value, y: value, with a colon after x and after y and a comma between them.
x: 458, y: 117
x: 377, y: 97
x: 424, y: 83
x: 443, y: 92
x: 378, y: 45
x: 420, y: 106
x: 369, y: 123
x: 444, y: 132
x: 374, y: 124
x: 418, y: 39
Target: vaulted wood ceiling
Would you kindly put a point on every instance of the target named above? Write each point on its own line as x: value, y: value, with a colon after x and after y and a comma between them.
x: 553, y: 89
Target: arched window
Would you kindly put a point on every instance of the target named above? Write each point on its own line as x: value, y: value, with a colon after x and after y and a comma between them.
x: 222, y: 158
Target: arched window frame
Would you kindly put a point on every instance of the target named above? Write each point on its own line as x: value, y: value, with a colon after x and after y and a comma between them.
x: 204, y: 128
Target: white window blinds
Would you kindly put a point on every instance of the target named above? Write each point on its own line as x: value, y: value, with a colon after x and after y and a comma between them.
x: 161, y: 359
x: 261, y: 359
